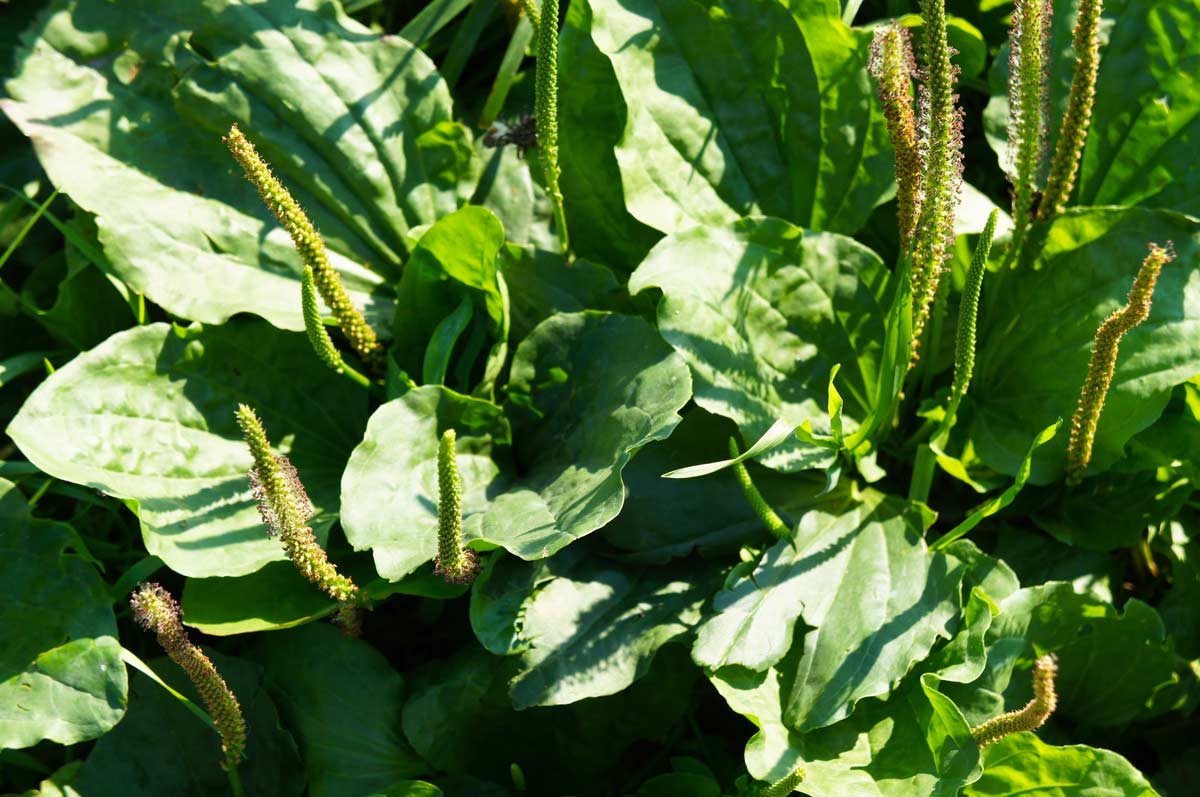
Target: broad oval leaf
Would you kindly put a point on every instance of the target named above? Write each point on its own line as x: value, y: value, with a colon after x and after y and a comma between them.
x: 588, y: 389
x: 1023, y: 764
x: 61, y: 675
x: 357, y: 125
x: 712, y: 131
x: 873, y: 596
x: 148, y: 416
x: 1037, y: 329
x: 762, y: 311
x: 343, y: 700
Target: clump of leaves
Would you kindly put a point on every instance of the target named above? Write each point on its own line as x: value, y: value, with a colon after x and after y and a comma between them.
x: 603, y: 493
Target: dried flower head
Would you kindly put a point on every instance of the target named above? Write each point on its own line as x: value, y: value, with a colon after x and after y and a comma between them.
x: 286, y: 509
x: 1028, y: 100
x: 892, y: 65
x: 155, y: 610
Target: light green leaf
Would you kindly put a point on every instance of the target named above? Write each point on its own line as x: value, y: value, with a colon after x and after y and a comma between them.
x: 1022, y: 764
x: 588, y: 627
x: 138, y: 95
x: 1037, y: 330
x: 148, y: 416
x: 454, y: 261
x: 409, y: 788
x: 61, y: 676
x: 160, y: 748
x: 342, y: 699
x: 711, y: 138
x: 389, y: 488
x: 762, y: 311
x: 874, y: 598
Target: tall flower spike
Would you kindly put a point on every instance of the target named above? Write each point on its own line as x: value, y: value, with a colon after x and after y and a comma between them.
x: 941, y: 130
x: 762, y: 509
x: 285, y: 510
x: 1028, y: 99
x: 546, y: 110
x: 785, y: 785
x: 309, y: 245
x: 893, y: 67
x: 1073, y: 133
x: 155, y: 610
x: 968, y: 310
x: 1033, y: 715
x: 455, y: 563
x: 1104, y: 360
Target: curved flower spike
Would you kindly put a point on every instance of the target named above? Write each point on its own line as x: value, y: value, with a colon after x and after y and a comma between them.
x: 1104, y: 360
x: 455, y: 563
x: 155, y: 610
x: 285, y: 510
x: 1028, y: 99
x: 968, y: 310
x: 892, y: 65
x: 766, y: 515
x: 1073, y: 133
x: 941, y: 129
x: 1035, y: 712
x: 310, y: 245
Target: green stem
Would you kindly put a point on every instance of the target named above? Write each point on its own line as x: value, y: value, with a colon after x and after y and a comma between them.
x: 235, y: 780
x: 762, y: 509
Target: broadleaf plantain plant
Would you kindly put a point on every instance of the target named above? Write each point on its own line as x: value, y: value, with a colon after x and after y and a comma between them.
x: 575, y: 504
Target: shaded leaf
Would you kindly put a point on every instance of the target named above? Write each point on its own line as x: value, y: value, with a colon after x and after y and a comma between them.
x: 61, y: 676
x: 342, y: 699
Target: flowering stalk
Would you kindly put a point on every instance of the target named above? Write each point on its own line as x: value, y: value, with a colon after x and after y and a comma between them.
x: 309, y: 245
x: 1073, y: 132
x: 285, y: 511
x: 941, y: 128
x: 546, y: 110
x: 762, y: 509
x: 1033, y: 715
x: 155, y: 610
x: 531, y: 11
x: 968, y: 310
x: 455, y: 563
x: 314, y: 327
x: 892, y: 65
x: 785, y: 785
x: 1028, y: 99
x: 1104, y: 360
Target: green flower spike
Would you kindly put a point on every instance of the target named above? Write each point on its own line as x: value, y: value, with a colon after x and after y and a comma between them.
x: 940, y: 122
x: 968, y: 310
x: 311, y: 247
x: 1073, y: 132
x: 546, y: 109
x: 762, y: 509
x: 893, y: 67
x: 285, y: 511
x: 785, y: 785
x: 531, y: 11
x: 1033, y: 715
x: 1028, y: 99
x: 455, y: 563
x: 314, y: 327
x: 155, y: 610
x: 1104, y: 360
